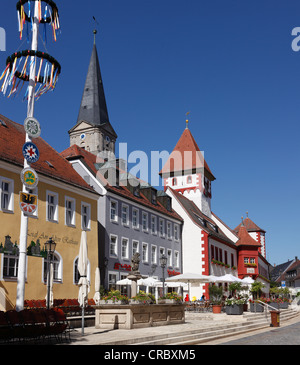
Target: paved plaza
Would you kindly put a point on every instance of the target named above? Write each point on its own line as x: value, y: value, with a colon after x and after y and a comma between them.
x: 194, y: 321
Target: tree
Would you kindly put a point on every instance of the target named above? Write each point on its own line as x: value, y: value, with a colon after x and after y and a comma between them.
x: 256, y: 288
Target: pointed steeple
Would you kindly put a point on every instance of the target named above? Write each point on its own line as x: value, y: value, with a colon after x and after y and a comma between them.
x: 93, y: 108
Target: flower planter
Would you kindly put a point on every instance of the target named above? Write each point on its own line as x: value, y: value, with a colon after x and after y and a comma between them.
x: 256, y: 307
x: 284, y: 305
x: 173, y: 301
x: 216, y: 308
x: 274, y: 305
x: 110, y: 301
x: 235, y: 309
x: 142, y: 302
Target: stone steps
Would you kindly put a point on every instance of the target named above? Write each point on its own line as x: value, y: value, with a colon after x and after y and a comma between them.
x: 212, y: 331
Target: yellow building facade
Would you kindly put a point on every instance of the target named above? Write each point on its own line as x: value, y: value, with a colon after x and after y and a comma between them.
x: 66, y: 206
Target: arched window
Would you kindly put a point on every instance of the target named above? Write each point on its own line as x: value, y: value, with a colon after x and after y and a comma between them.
x: 57, y: 268
x: 189, y: 179
x: 76, y: 275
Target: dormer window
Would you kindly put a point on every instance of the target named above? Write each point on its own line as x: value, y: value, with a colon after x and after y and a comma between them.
x: 153, y: 197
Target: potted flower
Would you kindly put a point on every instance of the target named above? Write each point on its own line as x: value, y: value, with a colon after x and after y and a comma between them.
x: 173, y: 298
x: 215, y: 297
x: 114, y: 297
x: 234, y: 306
x: 142, y: 298
x: 256, y: 289
x: 255, y: 306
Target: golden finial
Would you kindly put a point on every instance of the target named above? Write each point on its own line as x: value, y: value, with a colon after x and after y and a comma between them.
x: 187, y: 121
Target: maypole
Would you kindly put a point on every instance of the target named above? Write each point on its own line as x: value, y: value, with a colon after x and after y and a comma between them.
x: 22, y: 67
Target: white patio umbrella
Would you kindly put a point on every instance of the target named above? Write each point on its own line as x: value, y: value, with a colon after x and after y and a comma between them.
x: 228, y: 278
x: 83, y: 281
x: 97, y: 286
x: 150, y: 281
x: 247, y: 280
x: 124, y: 282
x: 189, y: 278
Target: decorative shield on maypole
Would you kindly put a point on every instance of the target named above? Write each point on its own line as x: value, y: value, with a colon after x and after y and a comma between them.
x: 40, y: 72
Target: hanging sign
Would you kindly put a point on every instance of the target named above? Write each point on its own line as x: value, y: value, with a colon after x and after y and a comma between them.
x: 29, y: 178
x: 30, y: 152
x: 32, y: 127
x: 28, y: 202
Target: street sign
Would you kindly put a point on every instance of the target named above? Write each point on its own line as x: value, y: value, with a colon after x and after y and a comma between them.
x: 28, y: 202
x: 32, y: 127
x: 29, y: 178
x: 30, y: 152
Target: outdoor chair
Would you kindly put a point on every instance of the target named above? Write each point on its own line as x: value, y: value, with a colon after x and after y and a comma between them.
x: 17, y: 325
x: 55, y: 328
x: 6, y: 332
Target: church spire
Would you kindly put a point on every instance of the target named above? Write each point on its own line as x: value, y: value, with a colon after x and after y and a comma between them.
x: 93, y: 108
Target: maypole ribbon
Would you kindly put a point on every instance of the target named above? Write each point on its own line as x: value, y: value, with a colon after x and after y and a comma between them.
x: 50, y: 8
x: 21, y: 70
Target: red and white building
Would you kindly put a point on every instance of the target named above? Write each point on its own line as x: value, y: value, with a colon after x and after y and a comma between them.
x: 209, y: 246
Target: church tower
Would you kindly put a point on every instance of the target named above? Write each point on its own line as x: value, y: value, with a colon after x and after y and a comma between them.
x: 187, y: 172
x: 93, y: 130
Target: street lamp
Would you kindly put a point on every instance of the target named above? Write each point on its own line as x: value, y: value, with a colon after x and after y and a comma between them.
x: 163, y: 263
x: 50, y: 247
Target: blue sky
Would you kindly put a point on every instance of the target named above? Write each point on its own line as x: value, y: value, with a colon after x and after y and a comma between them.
x: 228, y: 62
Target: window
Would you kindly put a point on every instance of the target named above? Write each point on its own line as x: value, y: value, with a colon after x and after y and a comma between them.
x: 112, y: 280
x: 246, y: 260
x: 135, y: 218
x: 85, y: 216
x: 225, y: 254
x: 145, y: 221
x: 169, y: 256
x: 57, y: 272
x: 7, y: 190
x: 10, y: 266
x: 153, y: 254
x: 125, y: 214
x: 176, y: 259
x: 135, y: 247
x: 189, y: 179
x: 52, y: 206
x: 113, y: 249
x: 232, y: 260
x: 176, y: 232
x: 69, y: 211
x: 124, y: 248
x: 145, y: 252
x: 174, y: 181
x: 212, y: 252
x: 161, y: 227
x: 153, y: 197
x: 169, y: 233
x: 252, y: 260
x: 161, y: 251
x: 153, y: 224
x: 113, y: 211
